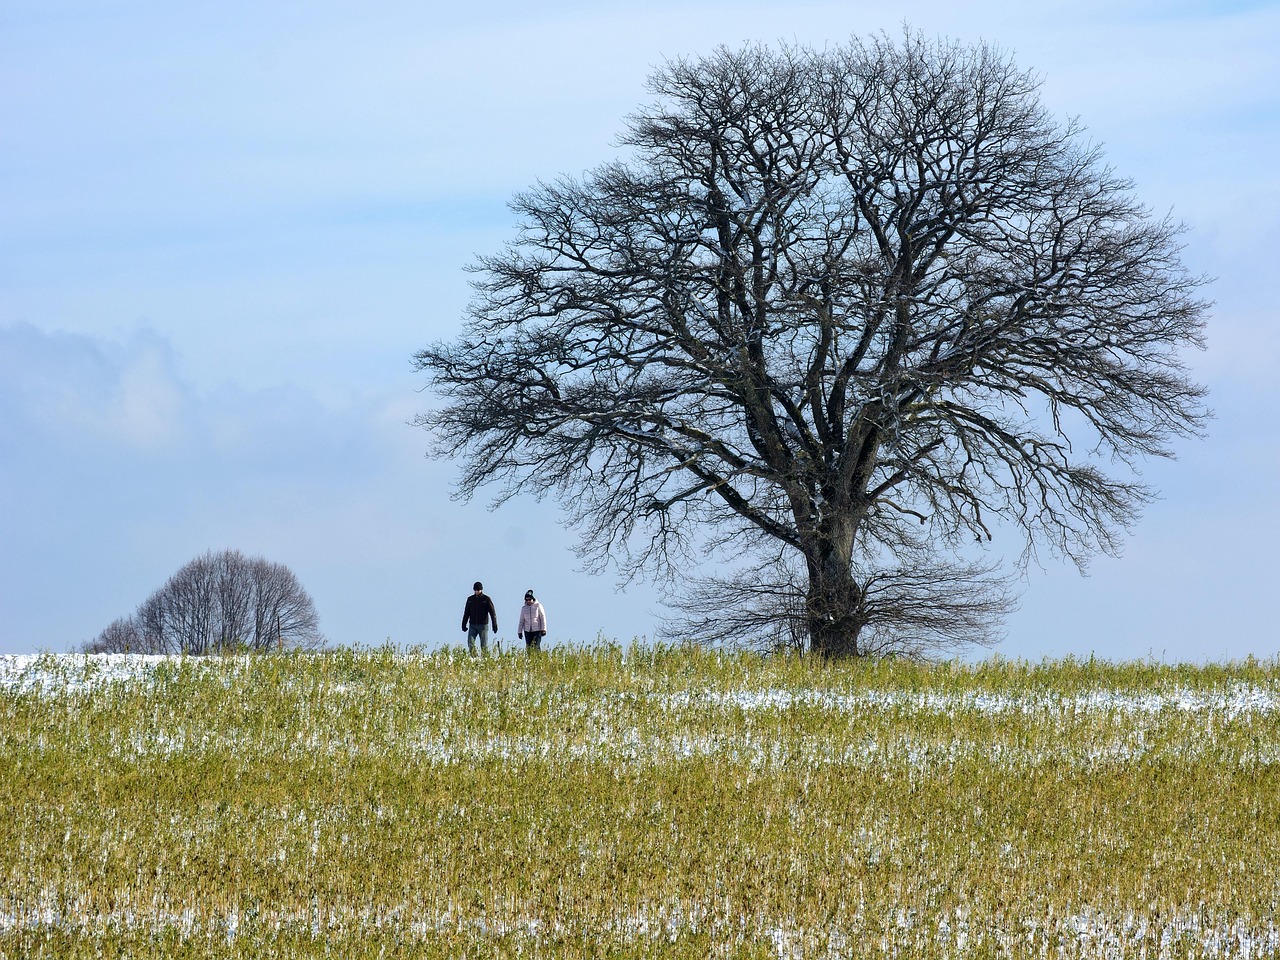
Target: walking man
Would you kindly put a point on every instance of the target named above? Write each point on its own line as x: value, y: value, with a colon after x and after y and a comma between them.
x: 476, y: 616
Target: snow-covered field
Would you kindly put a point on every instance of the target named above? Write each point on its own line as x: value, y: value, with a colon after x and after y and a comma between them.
x: 649, y: 804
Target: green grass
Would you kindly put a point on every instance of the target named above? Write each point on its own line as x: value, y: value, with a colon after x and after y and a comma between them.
x: 656, y: 802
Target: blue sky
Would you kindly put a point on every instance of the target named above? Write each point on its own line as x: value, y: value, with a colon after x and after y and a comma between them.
x: 225, y: 228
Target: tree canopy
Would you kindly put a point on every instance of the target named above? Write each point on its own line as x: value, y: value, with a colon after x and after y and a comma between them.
x: 218, y: 603
x: 840, y: 312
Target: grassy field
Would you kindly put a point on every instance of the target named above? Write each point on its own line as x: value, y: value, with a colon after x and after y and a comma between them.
x: 611, y: 803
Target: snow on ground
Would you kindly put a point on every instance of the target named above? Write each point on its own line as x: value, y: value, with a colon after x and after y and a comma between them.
x: 1076, y: 934
x: 1231, y: 702
x: 63, y: 673
x: 79, y: 673
x: 1088, y: 934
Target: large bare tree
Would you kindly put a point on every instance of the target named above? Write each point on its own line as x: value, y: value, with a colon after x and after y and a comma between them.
x: 845, y: 309
x: 218, y: 603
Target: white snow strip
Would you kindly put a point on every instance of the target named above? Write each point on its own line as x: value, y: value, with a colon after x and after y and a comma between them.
x: 62, y: 674
x: 1234, y: 701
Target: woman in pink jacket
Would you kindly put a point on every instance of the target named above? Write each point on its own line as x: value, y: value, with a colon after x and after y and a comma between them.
x: 533, y: 622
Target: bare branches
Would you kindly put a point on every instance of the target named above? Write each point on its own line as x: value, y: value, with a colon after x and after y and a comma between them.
x: 913, y: 606
x: 829, y: 293
x: 218, y: 603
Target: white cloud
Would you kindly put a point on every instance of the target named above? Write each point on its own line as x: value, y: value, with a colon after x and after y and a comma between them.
x: 72, y: 390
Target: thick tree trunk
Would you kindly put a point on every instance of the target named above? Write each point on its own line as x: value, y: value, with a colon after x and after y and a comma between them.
x: 834, y: 605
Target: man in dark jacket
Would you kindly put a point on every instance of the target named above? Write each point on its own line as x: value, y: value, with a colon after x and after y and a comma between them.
x: 476, y: 616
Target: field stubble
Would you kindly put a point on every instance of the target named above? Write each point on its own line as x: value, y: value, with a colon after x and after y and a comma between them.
x: 643, y: 802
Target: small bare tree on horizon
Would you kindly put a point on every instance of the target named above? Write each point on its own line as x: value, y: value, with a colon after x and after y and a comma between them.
x: 219, y: 603
x: 851, y: 311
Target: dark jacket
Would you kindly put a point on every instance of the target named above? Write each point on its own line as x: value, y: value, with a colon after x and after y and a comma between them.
x: 479, y: 608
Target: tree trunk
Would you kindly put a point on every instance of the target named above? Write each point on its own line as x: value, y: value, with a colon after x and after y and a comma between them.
x: 834, y: 605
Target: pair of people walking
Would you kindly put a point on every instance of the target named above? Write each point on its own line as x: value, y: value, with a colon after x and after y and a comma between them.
x: 480, y: 612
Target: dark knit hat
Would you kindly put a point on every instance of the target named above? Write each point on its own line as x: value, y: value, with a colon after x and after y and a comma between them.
x: 528, y: 595
x: 478, y: 586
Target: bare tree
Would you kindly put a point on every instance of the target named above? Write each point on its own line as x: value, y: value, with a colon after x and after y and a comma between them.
x: 217, y: 603
x: 911, y: 605
x: 281, y: 610
x: 233, y: 590
x: 863, y: 306
x: 121, y: 636
x: 190, y: 603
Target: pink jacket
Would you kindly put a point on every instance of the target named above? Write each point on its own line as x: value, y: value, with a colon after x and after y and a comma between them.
x: 532, y: 617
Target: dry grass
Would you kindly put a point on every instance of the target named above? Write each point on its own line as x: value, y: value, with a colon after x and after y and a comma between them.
x: 648, y: 803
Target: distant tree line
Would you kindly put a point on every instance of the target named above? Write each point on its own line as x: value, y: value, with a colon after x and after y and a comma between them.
x: 218, y: 603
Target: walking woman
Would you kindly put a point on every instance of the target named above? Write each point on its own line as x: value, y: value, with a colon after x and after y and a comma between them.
x: 533, y: 623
